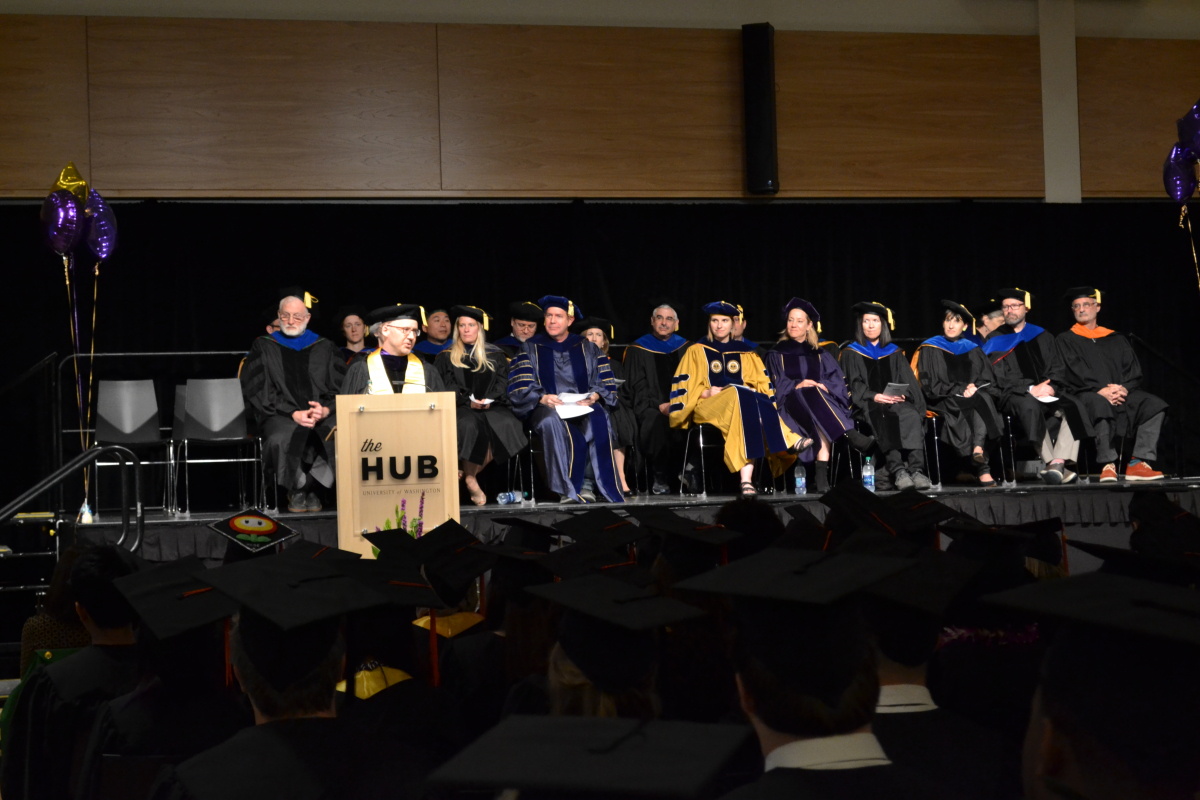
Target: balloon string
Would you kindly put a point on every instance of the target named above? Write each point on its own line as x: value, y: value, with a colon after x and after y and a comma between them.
x: 1183, y: 217
x: 72, y: 307
x: 92, y: 354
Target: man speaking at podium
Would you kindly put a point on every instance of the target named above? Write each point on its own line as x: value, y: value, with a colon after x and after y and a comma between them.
x: 392, y: 368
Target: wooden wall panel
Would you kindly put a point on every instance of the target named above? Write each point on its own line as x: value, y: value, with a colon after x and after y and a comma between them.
x: 262, y: 108
x: 590, y: 111
x: 908, y: 115
x: 43, y: 101
x: 1131, y: 91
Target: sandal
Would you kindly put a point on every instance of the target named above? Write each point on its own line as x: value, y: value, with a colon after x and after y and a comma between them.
x: 748, y: 489
x: 802, y: 445
x: 979, y: 458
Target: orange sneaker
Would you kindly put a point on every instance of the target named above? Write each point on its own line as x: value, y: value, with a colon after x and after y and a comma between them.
x: 1108, y: 474
x: 1141, y: 471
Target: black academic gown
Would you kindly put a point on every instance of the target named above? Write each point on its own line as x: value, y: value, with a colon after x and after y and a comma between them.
x: 624, y: 425
x: 428, y: 352
x: 358, y: 377
x: 278, y: 380
x: 1092, y: 364
x: 474, y: 683
x: 43, y: 756
x: 509, y: 345
x: 944, y: 376
x: 496, y: 427
x: 1029, y: 363
x: 299, y: 759
x: 650, y: 366
x: 409, y: 712
x: 950, y: 749
x: 895, y: 427
x: 154, y: 720
x: 891, y: 782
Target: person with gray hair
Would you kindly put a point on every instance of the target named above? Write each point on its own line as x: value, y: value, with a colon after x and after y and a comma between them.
x: 290, y: 381
x: 393, y: 367
x: 650, y: 365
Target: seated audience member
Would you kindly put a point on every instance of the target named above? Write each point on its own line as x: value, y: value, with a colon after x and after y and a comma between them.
x: 1029, y: 371
x: 54, y: 715
x: 624, y: 429
x: 523, y: 322
x: 872, y: 364
x: 182, y: 706
x: 578, y: 450
x: 477, y: 372
x: 1101, y: 369
x: 437, y: 336
x: 723, y: 383
x: 350, y: 322
x: 392, y: 368
x: 810, y: 389
x: 958, y: 384
x: 988, y: 321
x: 1135, y: 644
x: 290, y: 380
x: 288, y: 653
x: 650, y: 362
x: 55, y: 626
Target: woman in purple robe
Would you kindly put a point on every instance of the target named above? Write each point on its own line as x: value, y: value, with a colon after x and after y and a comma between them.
x: 810, y: 389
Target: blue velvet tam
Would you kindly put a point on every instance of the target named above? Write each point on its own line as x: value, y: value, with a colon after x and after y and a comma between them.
x: 722, y: 308
x: 554, y: 301
x: 808, y: 308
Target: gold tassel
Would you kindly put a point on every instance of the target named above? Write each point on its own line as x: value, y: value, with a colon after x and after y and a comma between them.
x: 309, y: 300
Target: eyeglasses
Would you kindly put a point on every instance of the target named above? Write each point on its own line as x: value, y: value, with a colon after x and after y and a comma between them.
x: 1012, y: 306
x: 404, y: 332
x: 1081, y: 306
x: 290, y: 317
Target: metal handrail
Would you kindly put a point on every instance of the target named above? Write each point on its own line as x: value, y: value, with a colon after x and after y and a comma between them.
x: 54, y: 479
x: 29, y: 373
x: 1170, y: 362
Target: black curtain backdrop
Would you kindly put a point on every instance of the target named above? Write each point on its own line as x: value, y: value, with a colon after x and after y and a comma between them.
x: 193, y: 276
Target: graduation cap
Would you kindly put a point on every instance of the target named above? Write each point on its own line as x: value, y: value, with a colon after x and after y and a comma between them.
x: 340, y: 315
x: 909, y: 513
x: 803, y: 531
x: 397, y: 578
x: 722, y: 308
x: 876, y: 308
x: 557, y: 301
x: 596, y: 322
x: 592, y: 755
x: 302, y: 548
x: 1162, y: 528
x: 1180, y: 571
x: 603, y: 552
x: 453, y: 558
x: 796, y: 576
x: 608, y: 628
x: 973, y: 539
x: 171, y: 598
x: 808, y: 308
x: 591, y: 524
x: 290, y: 611
x: 474, y: 312
x: 916, y: 510
x: 253, y: 530
x: 309, y: 301
x: 526, y: 311
x: 1082, y: 291
x: 961, y: 311
x: 397, y: 311
x: 666, y: 521
x: 1014, y: 294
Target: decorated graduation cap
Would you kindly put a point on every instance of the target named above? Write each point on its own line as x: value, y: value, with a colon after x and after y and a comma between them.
x: 290, y: 611
x: 596, y: 756
x: 173, y: 598
x: 608, y: 629
x: 253, y: 530
x: 526, y: 311
x: 302, y: 548
x: 878, y: 309
x: 1013, y: 294
x: 961, y: 311
x: 722, y: 308
x: 1082, y: 291
x: 596, y: 322
x: 310, y: 302
x: 554, y: 301
x: 474, y: 312
x: 808, y: 308
x: 397, y: 311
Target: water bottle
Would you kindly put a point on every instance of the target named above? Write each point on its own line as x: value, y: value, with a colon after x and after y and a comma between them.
x: 506, y: 498
x: 801, y: 480
x: 868, y: 472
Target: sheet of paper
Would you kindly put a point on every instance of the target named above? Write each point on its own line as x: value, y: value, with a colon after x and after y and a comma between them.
x: 1047, y: 399
x: 896, y: 390
x: 474, y: 399
x: 570, y: 407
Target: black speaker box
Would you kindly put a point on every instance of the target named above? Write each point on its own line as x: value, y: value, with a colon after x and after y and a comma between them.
x: 758, y: 80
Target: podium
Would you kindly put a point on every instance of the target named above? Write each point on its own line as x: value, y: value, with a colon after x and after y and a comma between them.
x: 397, y: 464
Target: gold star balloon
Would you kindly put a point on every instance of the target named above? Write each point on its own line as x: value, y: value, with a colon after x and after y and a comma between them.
x: 72, y: 181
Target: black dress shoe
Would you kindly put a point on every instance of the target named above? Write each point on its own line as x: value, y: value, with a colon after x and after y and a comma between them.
x: 860, y: 441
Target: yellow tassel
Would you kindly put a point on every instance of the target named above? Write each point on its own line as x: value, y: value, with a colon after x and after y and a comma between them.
x: 818, y: 327
x: 570, y: 309
x: 1098, y: 297
x: 424, y: 322
x: 309, y: 300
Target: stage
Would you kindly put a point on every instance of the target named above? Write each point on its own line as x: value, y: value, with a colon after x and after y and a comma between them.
x: 1091, y: 513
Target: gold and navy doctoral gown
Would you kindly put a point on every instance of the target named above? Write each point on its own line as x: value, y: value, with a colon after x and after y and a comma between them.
x: 545, y: 366
x: 744, y: 411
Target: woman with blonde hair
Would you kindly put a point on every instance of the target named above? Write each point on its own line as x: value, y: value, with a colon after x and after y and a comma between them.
x: 477, y: 373
x: 810, y: 389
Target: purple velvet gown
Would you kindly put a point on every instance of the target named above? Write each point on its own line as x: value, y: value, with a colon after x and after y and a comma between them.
x: 807, y: 411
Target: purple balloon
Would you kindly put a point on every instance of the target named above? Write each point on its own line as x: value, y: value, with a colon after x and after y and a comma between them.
x: 1188, y: 128
x: 62, y: 221
x: 102, y: 226
x: 1179, y: 174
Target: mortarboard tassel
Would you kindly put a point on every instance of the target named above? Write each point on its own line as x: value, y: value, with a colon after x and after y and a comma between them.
x: 1066, y: 563
x: 435, y: 678
x: 309, y: 300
